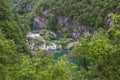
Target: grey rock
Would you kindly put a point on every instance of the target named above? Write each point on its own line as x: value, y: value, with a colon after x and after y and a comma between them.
x: 68, y: 22
x: 110, y: 22
x: 29, y: 6
x: 46, y: 13
x: 39, y: 22
x: 64, y: 21
x: 60, y: 20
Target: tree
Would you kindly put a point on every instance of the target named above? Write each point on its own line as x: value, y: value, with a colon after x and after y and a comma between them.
x: 10, y: 28
x: 7, y: 54
x: 51, y: 24
x: 98, y: 56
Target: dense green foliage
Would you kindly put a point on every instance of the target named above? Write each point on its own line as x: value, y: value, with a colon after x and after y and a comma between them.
x: 91, y: 13
x: 10, y: 28
x: 98, y: 55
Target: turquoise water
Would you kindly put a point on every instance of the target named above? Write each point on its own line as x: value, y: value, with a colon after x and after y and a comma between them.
x: 73, y: 60
x: 58, y: 37
x: 59, y: 53
x: 34, y: 28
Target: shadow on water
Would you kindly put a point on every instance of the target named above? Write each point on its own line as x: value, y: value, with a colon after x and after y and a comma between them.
x: 59, y: 53
x: 34, y: 28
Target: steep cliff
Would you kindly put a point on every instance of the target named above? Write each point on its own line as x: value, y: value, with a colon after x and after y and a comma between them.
x: 73, y: 16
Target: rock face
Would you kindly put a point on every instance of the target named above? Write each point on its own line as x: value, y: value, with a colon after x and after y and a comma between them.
x: 29, y: 6
x: 60, y: 20
x: 39, y: 22
x: 64, y: 21
x: 67, y: 22
x: 46, y: 13
x: 75, y: 34
x: 110, y: 22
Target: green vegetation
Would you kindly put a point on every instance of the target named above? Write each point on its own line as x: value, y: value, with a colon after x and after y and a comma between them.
x: 10, y: 28
x: 51, y: 24
x: 97, y: 55
x: 90, y: 13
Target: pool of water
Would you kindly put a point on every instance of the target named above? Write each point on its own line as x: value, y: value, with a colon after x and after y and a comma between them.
x: 34, y: 28
x: 59, y: 53
x: 58, y: 37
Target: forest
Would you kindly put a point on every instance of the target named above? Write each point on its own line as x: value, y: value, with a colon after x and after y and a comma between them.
x: 59, y: 39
